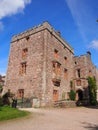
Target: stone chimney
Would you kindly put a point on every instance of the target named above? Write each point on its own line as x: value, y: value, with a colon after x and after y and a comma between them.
x: 89, y: 54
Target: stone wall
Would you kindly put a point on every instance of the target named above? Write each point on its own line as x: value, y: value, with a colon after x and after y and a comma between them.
x: 87, y: 68
x: 31, y: 82
x: 53, y: 42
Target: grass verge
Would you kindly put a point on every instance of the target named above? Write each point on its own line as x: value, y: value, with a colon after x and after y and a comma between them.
x: 7, y: 113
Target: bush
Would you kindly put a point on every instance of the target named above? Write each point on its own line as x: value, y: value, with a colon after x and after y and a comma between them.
x: 92, y: 90
x: 6, y: 98
x: 72, y: 95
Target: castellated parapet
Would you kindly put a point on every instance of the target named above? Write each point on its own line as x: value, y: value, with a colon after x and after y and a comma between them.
x: 39, y: 28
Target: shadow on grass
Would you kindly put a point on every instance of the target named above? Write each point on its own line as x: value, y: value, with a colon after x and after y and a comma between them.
x: 90, y: 126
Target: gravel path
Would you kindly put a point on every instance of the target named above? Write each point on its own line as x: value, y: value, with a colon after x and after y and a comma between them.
x: 55, y: 119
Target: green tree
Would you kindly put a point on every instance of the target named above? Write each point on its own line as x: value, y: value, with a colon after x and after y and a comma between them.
x: 92, y: 90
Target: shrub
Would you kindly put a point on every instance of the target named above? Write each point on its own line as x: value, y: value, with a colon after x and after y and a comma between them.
x: 72, y: 95
x: 6, y: 98
x: 92, y: 90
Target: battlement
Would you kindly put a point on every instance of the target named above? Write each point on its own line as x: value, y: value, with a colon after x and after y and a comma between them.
x: 31, y: 31
x: 39, y: 28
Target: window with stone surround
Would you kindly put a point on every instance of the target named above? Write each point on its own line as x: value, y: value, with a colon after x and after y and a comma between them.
x: 78, y: 73
x: 55, y: 53
x: 20, y: 93
x: 56, y: 68
x: 24, y: 53
x: 22, y: 69
x: 65, y: 73
x: 65, y: 60
x: 56, y: 76
x: 27, y: 38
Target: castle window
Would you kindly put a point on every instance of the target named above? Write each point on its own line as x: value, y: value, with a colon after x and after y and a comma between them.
x: 78, y: 73
x: 27, y: 38
x: 56, y: 68
x: 55, y: 53
x: 24, y: 53
x: 20, y: 93
x: 56, y: 76
x: 22, y: 68
x: 75, y: 62
x: 65, y: 60
x: 65, y: 73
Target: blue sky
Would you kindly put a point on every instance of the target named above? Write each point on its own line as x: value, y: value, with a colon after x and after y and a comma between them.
x: 75, y: 19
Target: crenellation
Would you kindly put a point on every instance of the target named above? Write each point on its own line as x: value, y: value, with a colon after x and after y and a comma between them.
x: 39, y: 28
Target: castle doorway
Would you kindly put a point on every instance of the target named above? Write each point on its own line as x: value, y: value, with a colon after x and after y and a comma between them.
x: 80, y: 94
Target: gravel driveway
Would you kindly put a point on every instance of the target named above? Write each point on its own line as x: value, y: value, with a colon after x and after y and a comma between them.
x: 55, y: 119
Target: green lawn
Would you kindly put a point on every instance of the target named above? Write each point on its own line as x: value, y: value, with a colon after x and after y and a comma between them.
x: 7, y: 113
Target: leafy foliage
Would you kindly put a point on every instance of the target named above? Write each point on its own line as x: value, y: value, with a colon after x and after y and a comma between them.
x: 92, y: 90
x: 5, y: 99
x: 72, y: 95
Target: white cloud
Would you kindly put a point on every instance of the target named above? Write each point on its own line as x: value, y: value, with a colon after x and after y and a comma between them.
x: 10, y: 7
x: 1, y: 26
x: 82, y: 14
x: 94, y: 44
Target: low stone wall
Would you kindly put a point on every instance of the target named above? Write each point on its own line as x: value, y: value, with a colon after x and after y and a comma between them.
x: 68, y: 104
x: 65, y: 104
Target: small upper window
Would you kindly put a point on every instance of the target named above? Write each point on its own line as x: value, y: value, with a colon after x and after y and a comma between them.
x: 27, y: 38
x: 65, y: 73
x: 65, y: 59
x: 55, y: 53
x: 22, y: 69
x: 20, y: 93
x: 24, y: 53
x: 75, y: 62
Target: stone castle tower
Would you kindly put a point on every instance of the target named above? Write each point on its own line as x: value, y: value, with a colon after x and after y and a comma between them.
x: 42, y: 65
